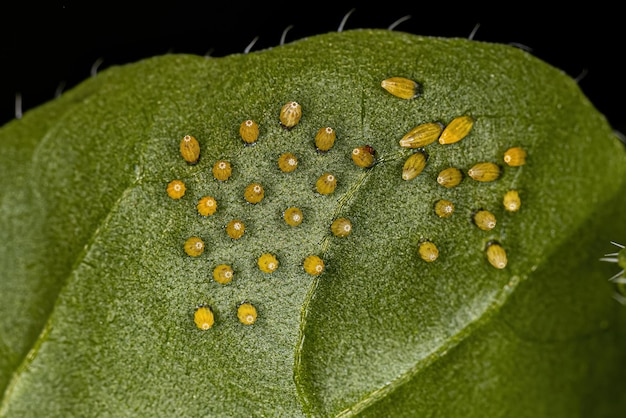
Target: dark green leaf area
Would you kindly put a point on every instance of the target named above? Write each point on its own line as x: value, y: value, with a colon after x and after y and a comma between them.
x: 99, y: 295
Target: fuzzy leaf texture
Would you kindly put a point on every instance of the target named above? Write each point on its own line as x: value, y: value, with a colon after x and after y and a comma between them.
x: 98, y: 295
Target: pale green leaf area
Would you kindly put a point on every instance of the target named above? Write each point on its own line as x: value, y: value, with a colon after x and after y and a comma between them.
x: 97, y: 295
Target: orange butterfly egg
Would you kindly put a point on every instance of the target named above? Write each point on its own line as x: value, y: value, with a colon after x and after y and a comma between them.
x: 267, y: 263
x: 246, y: 313
x: 222, y: 170
x: 422, y: 135
x: 484, y: 172
x: 249, y: 131
x: 223, y: 274
x: 515, y: 156
x: 364, y: 156
x: 326, y: 183
x: 402, y: 87
x: 287, y: 162
x: 496, y: 255
x: 414, y: 165
x: 314, y: 265
x: 456, y: 130
x: 207, y: 206
x: 176, y: 189
x: 484, y: 220
x: 254, y: 193
x: 450, y: 177
x: 290, y: 114
x: 444, y: 208
x: 428, y: 251
x: 235, y: 229
x: 293, y: 216
x: 203, y: 317
x: 325, y: 139
x: 190, y: 149
x: 341, y: 227
x: 512, y: 201
x: 194, y: 246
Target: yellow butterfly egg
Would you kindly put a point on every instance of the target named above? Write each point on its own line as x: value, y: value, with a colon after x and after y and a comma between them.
x: 511, y: 201
x: 194, y: 246
x: 484, y: 220
x: 422, y: 135
x: 444, y: 208
x: 254, y: 193
x: 290, y: 114
x: 341, y: 227
x: 247, y: 314
x: 428, y: 251
x: 287, y: 162
x: 293, y: 216
x: 249, y: 131
x: 325, y: 138
x: 313, y: 265
x: 515, y: 156
x: 414, y: 165
x: 484, y: 172
x: 267, y: 263
x: 222, y: 170
x: 402, y: 87
x: 496, y: 255
x: 450, y: 177
x: 203, y: 317
x: 190, y: 149
x: 456, y: 130
x: 207, y: 206
x: 176, y: 189
x: 364, y: 156
x: 235, y: 229
x: 223, y: 274
x: 326, y: 183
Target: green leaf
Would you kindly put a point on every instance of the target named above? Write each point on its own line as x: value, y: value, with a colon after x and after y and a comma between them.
x: 98, y: 295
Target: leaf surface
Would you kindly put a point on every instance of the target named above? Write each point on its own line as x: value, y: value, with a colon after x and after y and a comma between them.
x: 98, y: 295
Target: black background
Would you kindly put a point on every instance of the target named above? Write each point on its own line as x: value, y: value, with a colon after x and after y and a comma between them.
x: 50, y: 49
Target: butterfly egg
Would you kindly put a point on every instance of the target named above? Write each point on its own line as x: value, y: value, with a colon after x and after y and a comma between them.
x: 326, y: 183
x: 428, y: 251
x: 511, y: 201
x: 484, y: 220
x: 325, y: 139
x: 444, y: 208
x: 293, y: 216
x: 176, y: 189
x: 484, y: 172
x: 313, y: 265
x: 246, y: 313
x: 223, y: 274
x: 456, y: 130
x: 249, y: 131
x: 341, y: 227
x: 402, y: 87
x: 515, y: 156
x: 190, y: 149
x: 203, y: 317
x: 414, y: 165
x: 290, y: 114
x: 194, y: 246
x: 287, y: 162
x: 222, y: 170
x: 267, y: 263
x: 496, y: 255
x: 422, y: 135
x: 364, y: 156
x: 254, y: 193
x: 450, y: 177
x: 207, y: 206
x: 235, y: 229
